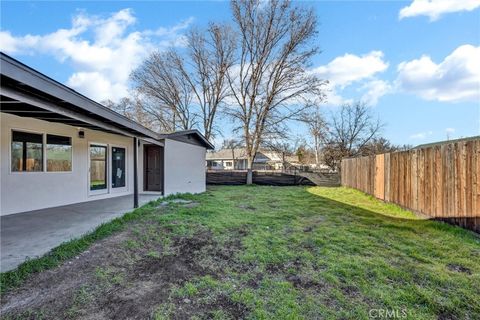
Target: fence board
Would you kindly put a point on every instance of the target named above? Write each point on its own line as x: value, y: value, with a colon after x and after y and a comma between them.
x: 441, y: 181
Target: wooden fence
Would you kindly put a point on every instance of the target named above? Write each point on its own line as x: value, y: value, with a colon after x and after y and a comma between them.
x: 440, y: 181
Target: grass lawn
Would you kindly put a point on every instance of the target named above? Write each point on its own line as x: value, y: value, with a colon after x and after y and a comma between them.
x: 257, y: 253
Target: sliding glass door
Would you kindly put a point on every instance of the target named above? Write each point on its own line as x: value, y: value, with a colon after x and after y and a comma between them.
x: 98, y: 167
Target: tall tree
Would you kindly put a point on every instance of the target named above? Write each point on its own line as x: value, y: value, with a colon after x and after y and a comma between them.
x: 210, y: 55
x: 189, y: 86
x: 167, y: 92
x: 317, y: 127
x: 269, y: 81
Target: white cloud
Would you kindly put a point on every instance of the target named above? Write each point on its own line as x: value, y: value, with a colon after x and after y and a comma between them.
x: 421, y: 135
x: 375, y: 90
x: 351, y: 69
x: 343, y: 71
x: 450, y: 130
x: 436, y: 8
x: 103, y: 61
x: 456, y: 78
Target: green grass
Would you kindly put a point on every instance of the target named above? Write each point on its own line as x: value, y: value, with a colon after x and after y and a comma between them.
x: 299, y: 253
x: 352, y: 252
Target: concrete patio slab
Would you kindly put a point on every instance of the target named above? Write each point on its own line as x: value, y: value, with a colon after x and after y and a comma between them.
x: 34, y: 233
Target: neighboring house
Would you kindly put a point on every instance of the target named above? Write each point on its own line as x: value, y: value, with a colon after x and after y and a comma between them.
x: 58, y: 147
x: 236, y: 159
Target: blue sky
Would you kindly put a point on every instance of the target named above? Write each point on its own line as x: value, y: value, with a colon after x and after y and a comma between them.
x: 417, y: 65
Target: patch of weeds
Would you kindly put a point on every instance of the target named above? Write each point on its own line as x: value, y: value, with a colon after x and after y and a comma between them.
x: 187, y: 290
x: 164, y: 311
x: 81, y: 298
x: 108, y: 276
x: 219, y: 315
x: 131, y: 244
x: 153, y: 254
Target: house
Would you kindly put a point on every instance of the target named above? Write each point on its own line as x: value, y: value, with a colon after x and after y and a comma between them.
x: 58, y: 147
x: 236, y: 159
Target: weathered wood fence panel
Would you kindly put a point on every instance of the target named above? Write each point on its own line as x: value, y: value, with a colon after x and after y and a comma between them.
x: 440, y: 181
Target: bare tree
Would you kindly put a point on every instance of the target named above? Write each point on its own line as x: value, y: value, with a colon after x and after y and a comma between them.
x: 166, y: 90
x: 350, y: 130
x: 210, y: 56
x: 317, y: 127
x: 232, y: 144
x: 377, y: 146
x: 133, y: 109
x: 269, y: 81
x: 188, y: 87
x: 281, y: 147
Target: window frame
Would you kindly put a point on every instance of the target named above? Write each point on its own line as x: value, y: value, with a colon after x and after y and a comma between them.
x: 11, y: 151
x: 46, y: 158
x: 107, y: 189
x: 110, y: 173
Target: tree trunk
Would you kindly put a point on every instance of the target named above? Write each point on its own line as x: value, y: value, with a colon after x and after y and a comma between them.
x: 316, y: 150
x: 249, y: 171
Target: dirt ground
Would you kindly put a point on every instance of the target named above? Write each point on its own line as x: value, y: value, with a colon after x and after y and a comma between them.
x: 123, y: 278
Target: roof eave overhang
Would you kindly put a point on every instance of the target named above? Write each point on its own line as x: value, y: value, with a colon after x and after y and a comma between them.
x: 21, y: 73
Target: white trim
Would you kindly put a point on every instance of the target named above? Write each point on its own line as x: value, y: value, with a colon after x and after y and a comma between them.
x: 44, y: 151
x: 107, y: 182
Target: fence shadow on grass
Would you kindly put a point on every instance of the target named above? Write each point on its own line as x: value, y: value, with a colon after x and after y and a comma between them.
x: 387, y: 213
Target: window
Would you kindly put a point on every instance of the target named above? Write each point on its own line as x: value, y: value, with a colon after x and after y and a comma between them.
x: 59, y: 153
x: 118, y: 167
x: 98, y: 167
x: 27, y: 151
x: 228, y: 163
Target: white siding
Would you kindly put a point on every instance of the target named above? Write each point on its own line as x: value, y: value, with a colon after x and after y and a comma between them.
x: 184, y: 167
x: 24, y: 191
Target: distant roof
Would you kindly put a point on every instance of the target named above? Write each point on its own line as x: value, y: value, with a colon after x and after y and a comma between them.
x: 426, y: 145
x: 227, y: 154
x: 262, y: 155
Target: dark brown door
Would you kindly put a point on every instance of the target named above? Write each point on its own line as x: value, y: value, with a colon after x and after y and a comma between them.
x: 153, y: 168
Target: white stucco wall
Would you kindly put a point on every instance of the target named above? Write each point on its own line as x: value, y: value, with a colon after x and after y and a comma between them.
x: 24, y: 191
x: 184, y: 167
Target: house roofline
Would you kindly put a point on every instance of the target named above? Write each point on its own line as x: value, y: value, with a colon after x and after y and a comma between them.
x: 20, y: 72
x: 207, y: 144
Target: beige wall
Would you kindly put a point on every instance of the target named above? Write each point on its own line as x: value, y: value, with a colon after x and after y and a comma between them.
x: 184, y: 167
x: 24, y: 191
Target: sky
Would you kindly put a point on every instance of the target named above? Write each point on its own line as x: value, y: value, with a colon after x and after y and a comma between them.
x: 415, y: 63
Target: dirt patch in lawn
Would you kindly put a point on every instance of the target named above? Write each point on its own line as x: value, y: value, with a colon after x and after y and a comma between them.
x: 121, y: 277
